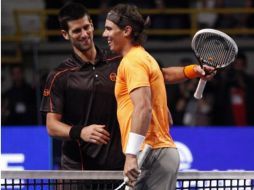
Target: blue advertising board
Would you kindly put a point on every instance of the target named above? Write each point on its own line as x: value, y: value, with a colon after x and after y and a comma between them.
x: 200, y: 148
x: 215, y: 148
x: 25, y: 148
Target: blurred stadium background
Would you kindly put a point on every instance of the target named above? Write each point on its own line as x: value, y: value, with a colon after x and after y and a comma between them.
x: 215, y: 133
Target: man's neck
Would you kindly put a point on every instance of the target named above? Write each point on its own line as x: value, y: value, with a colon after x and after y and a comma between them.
x: 127, y: 48
x: 88, y: 55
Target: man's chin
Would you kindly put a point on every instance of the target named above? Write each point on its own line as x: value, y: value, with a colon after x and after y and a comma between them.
x: 85, y: 48
x: 113, y: 50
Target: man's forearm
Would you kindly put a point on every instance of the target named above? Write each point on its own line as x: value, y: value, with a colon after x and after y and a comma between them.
x: 179, y: 74
x: 56, y: 128
x: 140, y: 123
x: 141, y: 118
x: 173, y: 75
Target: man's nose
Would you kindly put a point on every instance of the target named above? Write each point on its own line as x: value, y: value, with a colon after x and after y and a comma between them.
x: 84, y: 33
x: 104, y: 34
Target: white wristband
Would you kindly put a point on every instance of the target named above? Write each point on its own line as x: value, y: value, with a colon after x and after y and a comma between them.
x: 134, y: 143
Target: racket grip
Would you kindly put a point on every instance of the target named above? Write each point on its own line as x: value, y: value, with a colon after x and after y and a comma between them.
x: 141, y: 158
x: 200, y: 88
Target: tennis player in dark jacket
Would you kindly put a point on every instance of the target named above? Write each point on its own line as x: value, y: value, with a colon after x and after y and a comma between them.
x: 79, y: 101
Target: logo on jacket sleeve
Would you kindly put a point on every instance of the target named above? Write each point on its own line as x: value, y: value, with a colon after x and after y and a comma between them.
x: 46, y: 92
x: 112, y: 76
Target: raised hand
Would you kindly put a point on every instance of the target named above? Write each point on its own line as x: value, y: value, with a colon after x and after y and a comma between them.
x: 206, y: 73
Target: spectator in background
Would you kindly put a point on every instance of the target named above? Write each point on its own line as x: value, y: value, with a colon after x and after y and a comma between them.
x: 162, y: 20
x: 178, y: 95
x: 250, y: 20
x: 186, y: 110
x: 171, y: 21
x: 19, y: 102
x: 207, y: 19
x: 198, y: 112
x: 51, y: 22
x: 234, y: 102
x: 237, y: 20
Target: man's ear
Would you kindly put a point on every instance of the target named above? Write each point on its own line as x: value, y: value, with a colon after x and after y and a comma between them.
x: 65, y: 34
x: 127, y: 30
x: 91, y: 24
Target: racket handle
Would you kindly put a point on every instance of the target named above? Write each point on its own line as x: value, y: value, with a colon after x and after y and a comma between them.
x: 126, y: 181
x: 200, y: 88
x: 141, y: 158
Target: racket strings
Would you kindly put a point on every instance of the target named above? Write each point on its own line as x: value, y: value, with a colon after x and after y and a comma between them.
x: 214, y: 50
x: 203, y: 47
x: 209, y: 49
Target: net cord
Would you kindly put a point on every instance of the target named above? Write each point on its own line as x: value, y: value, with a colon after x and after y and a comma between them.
x: 118, y: 175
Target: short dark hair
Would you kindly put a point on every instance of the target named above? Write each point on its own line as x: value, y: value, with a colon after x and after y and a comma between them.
x: 127, y: 14
x: 71, y: 11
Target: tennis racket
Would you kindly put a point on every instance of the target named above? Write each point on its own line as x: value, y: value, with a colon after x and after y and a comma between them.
x: 213, y: 48
x: 141, y: 158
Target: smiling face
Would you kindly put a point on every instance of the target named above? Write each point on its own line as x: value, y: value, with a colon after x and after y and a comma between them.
x: 116, y: 37
x: 80, y: 34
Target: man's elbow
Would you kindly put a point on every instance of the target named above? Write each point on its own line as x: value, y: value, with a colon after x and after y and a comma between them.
x: 168, y: 76
x: 165, y: 75
x: 51, y: 128
x: 51, y: 131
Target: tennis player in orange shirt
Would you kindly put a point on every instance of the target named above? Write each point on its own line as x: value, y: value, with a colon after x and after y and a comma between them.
x: 142, y: 109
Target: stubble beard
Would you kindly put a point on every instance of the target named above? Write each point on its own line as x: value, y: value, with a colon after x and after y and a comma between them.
x: 81, y: 47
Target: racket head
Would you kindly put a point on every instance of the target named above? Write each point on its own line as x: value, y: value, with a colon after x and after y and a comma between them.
x: 214, y: 48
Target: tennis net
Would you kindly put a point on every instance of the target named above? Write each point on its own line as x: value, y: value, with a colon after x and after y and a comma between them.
x: 109, y: 180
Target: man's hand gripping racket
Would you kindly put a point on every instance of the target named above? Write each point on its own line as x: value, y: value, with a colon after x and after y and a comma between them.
x: 141, y: 158
x: 213, y: 48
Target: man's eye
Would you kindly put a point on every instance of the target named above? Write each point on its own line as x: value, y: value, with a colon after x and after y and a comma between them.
x: 76, y: 31
x: 87, y: 27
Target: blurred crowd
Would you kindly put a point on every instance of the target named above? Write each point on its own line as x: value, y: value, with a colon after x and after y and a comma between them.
x: 19, y: 103
x: 227, y: 101
x: 168, y: 21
